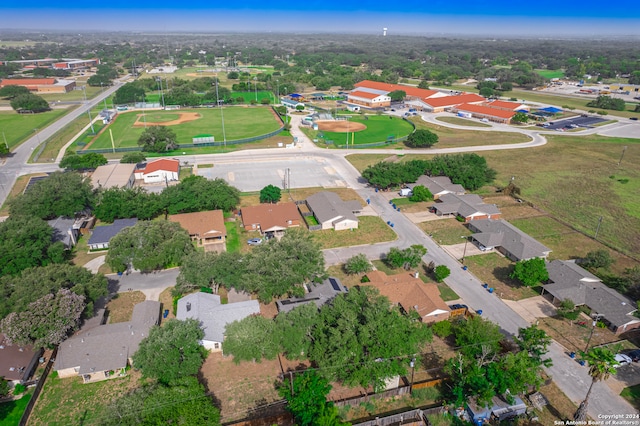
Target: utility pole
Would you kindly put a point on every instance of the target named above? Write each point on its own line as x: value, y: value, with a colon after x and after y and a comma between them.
x: 595, y: 237
x: 624, y: 148
x: 464, y: 252
x: 84, y: 89
x: 224, y: 135
x: 594, y: 324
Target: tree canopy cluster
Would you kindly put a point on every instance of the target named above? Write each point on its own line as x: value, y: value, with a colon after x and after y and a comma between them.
x: 272, y: 269
x: 405, y: 258
x: 29, y: 102
x: 88, y: 161
x: 158, y: 139
x: 607, y: 102
x: 421, y: 138
x: 530, y: 272
x: 468, y: 170
x: 358, y: 339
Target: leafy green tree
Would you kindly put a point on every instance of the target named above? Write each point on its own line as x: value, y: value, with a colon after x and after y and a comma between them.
x: 293, y: 329
x: 149, y: 246
x: 420, y: 193
x: 506, y: 86
x: 441, y: 272
x: 602, y: 364
x: 45, y: 322
x: 424, y: 84
x: 82, y: 162
x: 477, y: 337
x: 29, y: 102
x: 4, y: 385
x: 535, y: 342
x: 196, y: 194
x: 133, y: 158
x: 442, y: 329
x: 185, y: 402
x: 307, y: 399
x: 360, y: 340
x: 270, y: 194
x: 397, y: 95
x: 567, y: 309
x: 251, y: 339
x: 4, y: 150
x: 422, y: 138
x: 26, y: 242
x: 530, y: 272
x: 407, y: 258
x: 210, y: 269
x: 122, y: 203
x: 520, y: 117
x: 129, y: 93
x: 61, y: 194
x: 158, y: 139
x: 33, y: 283
x: 598, y: 259
x: 171, y: 352
x: 233, y: 75
x: 607, y: 102
x: 10, y: 92
x: 358, y: 264
x: 469, y: 170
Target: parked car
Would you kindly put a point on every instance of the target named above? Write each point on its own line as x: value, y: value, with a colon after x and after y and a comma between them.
x: 254, y: 241
x: 622, y: 360
x: 634, y: 355
x: 634, y: 118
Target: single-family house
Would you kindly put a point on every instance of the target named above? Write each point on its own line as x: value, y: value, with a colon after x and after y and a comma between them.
x: 468, y: 206
x: 507, y: 239
x: 101, y: 235
x: 158, y: 171
x: 205, y: 228
x: 113, y: 176
x: 410, y: 293
x: 103, y: 352
x: 439, y: 185
x: 270, y: 219
x: 567, y: 280
x: 213, y: 315
x: 317, y: 293
x: 498, y: 410
x: 332, y: 212
x: 17, y: 362
x: 64, y: 231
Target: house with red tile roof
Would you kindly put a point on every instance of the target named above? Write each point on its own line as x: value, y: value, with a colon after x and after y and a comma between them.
x: 270, y: 219
x: 159, y: 171
x: 410, y: 293
x: 483, y: 111
x: 205, y: 228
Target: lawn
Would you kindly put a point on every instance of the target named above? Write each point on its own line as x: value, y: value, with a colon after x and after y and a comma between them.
x: 551, y: 73
x: 379, y: 129
x: 462, y: 121
x: 120, y: 307
x: 233, y: 237
x: 11, y: 411
x: 68, y: 401
x: 445, y: 231
x: 16, y: 128
x: 632, y: 394
x: 239, y: 123
x: 74, y: 95
x: 371, y: 230
x: 494, y: 269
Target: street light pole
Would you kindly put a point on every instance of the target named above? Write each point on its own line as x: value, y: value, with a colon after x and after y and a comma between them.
x: 464, y: 252
x: 255, y: 87
x: 105, y: 99
x: 593, y: 327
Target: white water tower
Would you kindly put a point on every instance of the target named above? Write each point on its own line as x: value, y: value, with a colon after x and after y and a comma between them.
x: 384, y: 32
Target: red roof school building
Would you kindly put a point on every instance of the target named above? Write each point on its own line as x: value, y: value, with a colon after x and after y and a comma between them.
x: 486, y: 112
x: 41, y: 85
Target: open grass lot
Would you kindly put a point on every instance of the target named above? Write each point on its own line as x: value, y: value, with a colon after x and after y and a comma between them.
x: 494, y: 269
x: 551, y: 73
x: 560, y: 407
x: 233, y: 236
x: 120, y: 307
x: 451, y: 138
x: 379, y: 129
x: 445, y: 231
x: 73, y: 95
x: 371, y: 230
x: 67, y: 402
x: 19, y: 127
x: 632, y: 394
x: 239, y: 122
x: 11, y: 411
x: 362, y: 161
x: 462, y: 121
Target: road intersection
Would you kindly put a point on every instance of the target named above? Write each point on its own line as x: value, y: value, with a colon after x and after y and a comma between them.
x: 570, y: 377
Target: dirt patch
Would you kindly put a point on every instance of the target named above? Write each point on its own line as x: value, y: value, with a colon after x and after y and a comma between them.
x: 341, y: 126
x: 185, y: 117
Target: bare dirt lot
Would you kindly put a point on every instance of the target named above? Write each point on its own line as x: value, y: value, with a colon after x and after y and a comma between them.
x: 185, y: 117
x: 341, y: 126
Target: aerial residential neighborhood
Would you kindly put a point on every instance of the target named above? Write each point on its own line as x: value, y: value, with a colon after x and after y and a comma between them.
x: 258, y: 229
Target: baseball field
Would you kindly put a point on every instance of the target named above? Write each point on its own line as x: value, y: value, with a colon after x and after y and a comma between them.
x: 239, y: 123
x: 364, y: 129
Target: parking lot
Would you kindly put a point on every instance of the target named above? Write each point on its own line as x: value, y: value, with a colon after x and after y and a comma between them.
x: 575, y: 121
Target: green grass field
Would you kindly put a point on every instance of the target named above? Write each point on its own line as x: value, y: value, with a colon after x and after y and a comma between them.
x: 19, y: 127
x: 551, y: 73
x: 239, y: 123
x: 11, y: 412
x: 379, y: 129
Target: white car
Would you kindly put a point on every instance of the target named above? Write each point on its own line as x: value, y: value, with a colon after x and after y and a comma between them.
x: 622, y: 360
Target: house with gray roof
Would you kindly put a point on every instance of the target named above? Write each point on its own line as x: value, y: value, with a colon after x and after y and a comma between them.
x: 507, y: 239
x: 103, y: 352
x: 319, y: 294
x: 567, y: 280
x: 468, y: 206
x: 101, y: 235
x: 64, y: 231
x: 214, y: 316
x: 439, y: 185
x: 17, y: 362
x: 333, y: 213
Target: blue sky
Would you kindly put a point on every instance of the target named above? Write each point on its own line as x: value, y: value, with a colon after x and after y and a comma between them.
x: 499, y: 17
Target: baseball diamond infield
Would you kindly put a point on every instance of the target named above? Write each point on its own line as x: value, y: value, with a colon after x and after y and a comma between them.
x: 340, y: 126
x: 183, y: 117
